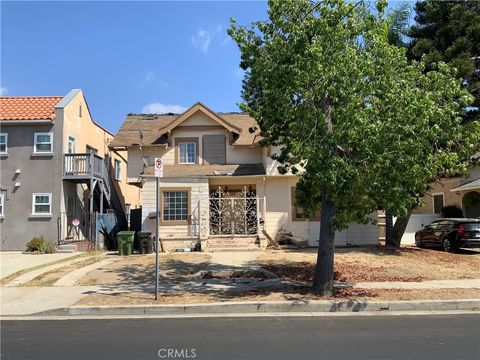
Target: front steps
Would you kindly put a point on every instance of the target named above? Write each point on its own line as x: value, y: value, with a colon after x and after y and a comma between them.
x: 215, y: 244
x: 69, y: 248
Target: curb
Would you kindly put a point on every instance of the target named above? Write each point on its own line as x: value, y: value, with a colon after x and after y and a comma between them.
x: 319, y: 306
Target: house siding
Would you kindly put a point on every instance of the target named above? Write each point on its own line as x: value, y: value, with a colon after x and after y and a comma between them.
x: 39, y: 174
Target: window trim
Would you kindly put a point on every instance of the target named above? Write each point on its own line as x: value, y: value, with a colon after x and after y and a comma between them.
x: 115, y: 162
x: 2, y: 204
x: 433, y: 201
x: 187, y: 140
x: 49, y: 204
x: 294, y: 209
x: 6, y: 144
x: 35, y: 143
x: 74, y: 143
x: 188, y: 190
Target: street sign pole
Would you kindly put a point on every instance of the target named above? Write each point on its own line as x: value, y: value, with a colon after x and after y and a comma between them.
x: 157, y: 237
x: 158, y: 175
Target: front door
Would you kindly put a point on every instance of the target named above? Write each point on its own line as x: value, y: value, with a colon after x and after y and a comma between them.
x: 233, y: 212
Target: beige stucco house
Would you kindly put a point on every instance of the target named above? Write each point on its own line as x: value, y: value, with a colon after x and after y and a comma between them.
x: 220, y: 187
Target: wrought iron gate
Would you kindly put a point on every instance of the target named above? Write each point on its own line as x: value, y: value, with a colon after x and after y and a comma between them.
x: 234, y: 213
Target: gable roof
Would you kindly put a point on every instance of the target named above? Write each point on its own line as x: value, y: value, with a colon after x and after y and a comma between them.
x: 28, y: 107
x: 202, y: 108
x: 154, y: 126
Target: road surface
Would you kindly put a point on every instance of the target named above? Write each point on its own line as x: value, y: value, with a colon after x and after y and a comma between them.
x: 353, y: 337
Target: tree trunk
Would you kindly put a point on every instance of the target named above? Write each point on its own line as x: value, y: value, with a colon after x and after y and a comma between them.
x: 388, y: 227
x: 398, y: 231
x: 323, y: 277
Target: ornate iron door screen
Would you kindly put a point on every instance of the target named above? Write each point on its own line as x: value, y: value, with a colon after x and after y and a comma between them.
x: 233, y: 213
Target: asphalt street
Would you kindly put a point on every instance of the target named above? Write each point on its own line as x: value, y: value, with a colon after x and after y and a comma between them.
x: 353, y: 337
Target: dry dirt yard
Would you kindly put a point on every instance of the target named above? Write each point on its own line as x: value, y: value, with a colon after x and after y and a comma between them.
x: 375, y: 264
x: 351, y: 265
x: 140, y: 269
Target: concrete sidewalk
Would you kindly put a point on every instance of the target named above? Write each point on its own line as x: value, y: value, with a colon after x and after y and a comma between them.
x: 14, y: 261
x: 28, y: 300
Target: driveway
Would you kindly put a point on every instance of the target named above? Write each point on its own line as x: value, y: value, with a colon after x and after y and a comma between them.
x: 13, y: 261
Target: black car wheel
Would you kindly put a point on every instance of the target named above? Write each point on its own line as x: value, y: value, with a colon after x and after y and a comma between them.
x: 447, y: 245
x: 418, y: 241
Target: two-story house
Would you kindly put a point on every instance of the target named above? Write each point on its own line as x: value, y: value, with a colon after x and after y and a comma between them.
x: 220, y: 187
x: 57, y: 171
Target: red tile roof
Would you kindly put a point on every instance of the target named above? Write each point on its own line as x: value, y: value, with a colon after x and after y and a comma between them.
x: 28, y: 107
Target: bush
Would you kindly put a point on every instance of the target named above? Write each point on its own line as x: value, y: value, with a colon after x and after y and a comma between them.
x: 41, y: 244
x: 35, y: 244
x: 451, y: 212
x: 48, y: 247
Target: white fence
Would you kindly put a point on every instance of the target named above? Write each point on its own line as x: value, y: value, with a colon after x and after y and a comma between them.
x: 417, y: 222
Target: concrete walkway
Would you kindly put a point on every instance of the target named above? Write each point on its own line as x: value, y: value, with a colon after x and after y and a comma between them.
x: 13, y: 261
x: 432, y: 284
x: 72, y: 277
x: 29, y: 276
x: 232, y: 259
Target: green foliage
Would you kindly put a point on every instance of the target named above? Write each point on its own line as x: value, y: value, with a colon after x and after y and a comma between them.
x: 48, y: 247
x: 449, y: 31
x: 41, y: 244
x: 451, y: 211
x: 347, y: 111
x: 397, y: 23
x: 35, y: 244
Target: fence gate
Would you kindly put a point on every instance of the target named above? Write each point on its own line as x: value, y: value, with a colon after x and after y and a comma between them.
x: 234, y: 213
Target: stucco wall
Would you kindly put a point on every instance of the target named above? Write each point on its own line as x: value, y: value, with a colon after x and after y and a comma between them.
x: 39, y: 174
x: 450, y: 198
x: 86, y: 132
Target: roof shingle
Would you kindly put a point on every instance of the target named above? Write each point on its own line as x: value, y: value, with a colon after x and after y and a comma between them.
x: 28, y: 107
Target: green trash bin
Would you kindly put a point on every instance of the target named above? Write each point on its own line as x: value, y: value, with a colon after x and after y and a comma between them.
x: 125, y: 242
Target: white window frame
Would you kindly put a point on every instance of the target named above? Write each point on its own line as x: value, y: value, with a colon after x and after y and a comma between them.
x: 6, y: 143
x: 49, y: 204
x: 119, y: 174
x: 71, y: 140
x: 35, y: 142
x: 433, y: 201
x: 180, y: 152
x: 2, y: 204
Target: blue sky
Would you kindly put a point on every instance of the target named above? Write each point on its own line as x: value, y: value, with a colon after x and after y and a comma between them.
x: 127, y: 57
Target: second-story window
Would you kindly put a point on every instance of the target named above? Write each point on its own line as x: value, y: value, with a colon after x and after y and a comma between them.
x: 188, y: 152
x: 117, y: 169
x: 43, y: 142
x: 71, y: 145
x: 3, y: 143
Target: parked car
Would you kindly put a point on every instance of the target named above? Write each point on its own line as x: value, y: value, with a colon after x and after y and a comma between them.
x: 451, y: 234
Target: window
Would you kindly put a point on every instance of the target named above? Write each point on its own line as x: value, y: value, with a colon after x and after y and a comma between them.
x: 3, y: 143
x: 188, y: 152
x: 42, y: 204
x: 2, y: 204
x: 175, y: 206
x: 117, y: 168
x: 43, y: 142
x: 437, y: 203
x: 71, y: 145
x: 80, y: 110
x: 298, y: 214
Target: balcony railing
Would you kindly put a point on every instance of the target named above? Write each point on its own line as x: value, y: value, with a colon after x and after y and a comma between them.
x: 84, y: 166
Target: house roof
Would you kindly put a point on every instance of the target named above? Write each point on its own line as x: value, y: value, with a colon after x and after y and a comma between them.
x: 472, y: 185
x: 28, y: 107
x: 153, y: 126
x: 173, y: 171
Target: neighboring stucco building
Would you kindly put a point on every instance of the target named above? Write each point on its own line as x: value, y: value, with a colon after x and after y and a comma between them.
x: 220, y: 186
x: 56, y: 167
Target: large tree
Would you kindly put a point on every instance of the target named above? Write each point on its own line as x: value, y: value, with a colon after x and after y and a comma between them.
x: 445, y: 31
x: 347, y: 111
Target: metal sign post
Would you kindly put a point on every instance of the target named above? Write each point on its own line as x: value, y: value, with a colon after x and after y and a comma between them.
x: 158, y: 175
